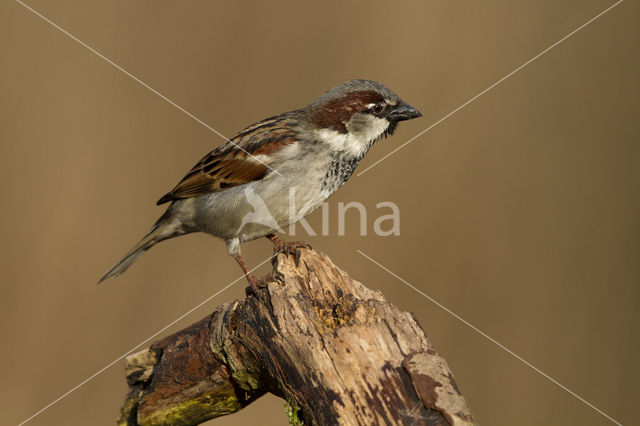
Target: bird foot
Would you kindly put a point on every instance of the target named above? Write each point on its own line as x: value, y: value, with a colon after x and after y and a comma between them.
x: 292, y: 249
x: 254, y: 285
x: 257, y: 285
x: 288, y: 248
x: 272, y: 277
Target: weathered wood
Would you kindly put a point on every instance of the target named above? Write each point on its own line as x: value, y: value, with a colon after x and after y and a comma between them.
x: 336, y: 349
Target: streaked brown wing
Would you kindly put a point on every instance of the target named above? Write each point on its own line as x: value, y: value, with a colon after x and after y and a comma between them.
x: 243, y: 161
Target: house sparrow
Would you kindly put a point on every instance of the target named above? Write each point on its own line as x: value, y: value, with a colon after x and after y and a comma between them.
x: 275, y: 172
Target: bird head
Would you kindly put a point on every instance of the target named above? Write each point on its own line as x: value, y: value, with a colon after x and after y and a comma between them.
x: 356, y: 114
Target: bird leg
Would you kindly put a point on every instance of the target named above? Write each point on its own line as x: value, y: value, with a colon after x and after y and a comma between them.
x: 253, y: 282
x: 257, y: 284
x: 279, y: 246
x: 288, y: 248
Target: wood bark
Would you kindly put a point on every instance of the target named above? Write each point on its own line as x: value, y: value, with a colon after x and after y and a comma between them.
x: 337, y: 350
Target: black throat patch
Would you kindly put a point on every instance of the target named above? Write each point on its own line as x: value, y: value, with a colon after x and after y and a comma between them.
x: 340, y: 170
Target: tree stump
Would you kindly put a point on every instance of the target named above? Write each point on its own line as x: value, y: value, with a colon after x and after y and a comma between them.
x: 339, y: 352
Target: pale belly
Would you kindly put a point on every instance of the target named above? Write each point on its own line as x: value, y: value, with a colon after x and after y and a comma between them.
x: 253, y: 210
x: 256, y: 209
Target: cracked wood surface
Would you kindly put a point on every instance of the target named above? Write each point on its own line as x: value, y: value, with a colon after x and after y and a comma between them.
x: 336, y: 349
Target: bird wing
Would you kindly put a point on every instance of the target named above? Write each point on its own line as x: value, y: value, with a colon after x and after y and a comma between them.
x: 244, y: 158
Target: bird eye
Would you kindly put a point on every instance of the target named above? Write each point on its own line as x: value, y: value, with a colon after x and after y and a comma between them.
x: 377, y: 108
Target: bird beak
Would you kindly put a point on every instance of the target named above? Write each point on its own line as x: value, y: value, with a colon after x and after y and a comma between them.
x: 403, y: 111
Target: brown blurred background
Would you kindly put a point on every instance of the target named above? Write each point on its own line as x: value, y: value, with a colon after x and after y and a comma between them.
x: 520, y: 212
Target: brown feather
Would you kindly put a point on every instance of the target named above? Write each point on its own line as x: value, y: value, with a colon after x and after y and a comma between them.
x: 335, y: 113
x: 234, y: 163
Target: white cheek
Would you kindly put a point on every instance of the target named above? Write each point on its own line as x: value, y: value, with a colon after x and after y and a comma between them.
x: 374, y: 128
x: 355, y: 143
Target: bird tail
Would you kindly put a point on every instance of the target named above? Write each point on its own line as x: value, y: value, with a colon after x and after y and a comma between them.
x: 160, y: 231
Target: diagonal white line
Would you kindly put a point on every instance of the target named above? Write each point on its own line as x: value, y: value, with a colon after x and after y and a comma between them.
x: 127, y: 73
x: 477, y: 330
x: 491, y: 87
x: 121, y: 357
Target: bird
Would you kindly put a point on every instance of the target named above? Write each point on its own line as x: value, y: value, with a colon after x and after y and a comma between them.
x: 276, y: 171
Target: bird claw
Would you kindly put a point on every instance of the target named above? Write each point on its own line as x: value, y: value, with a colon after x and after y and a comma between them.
x: 273, y: 277
x: 279, y: 246
x: 290, y: 248
x: 256, y: 286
